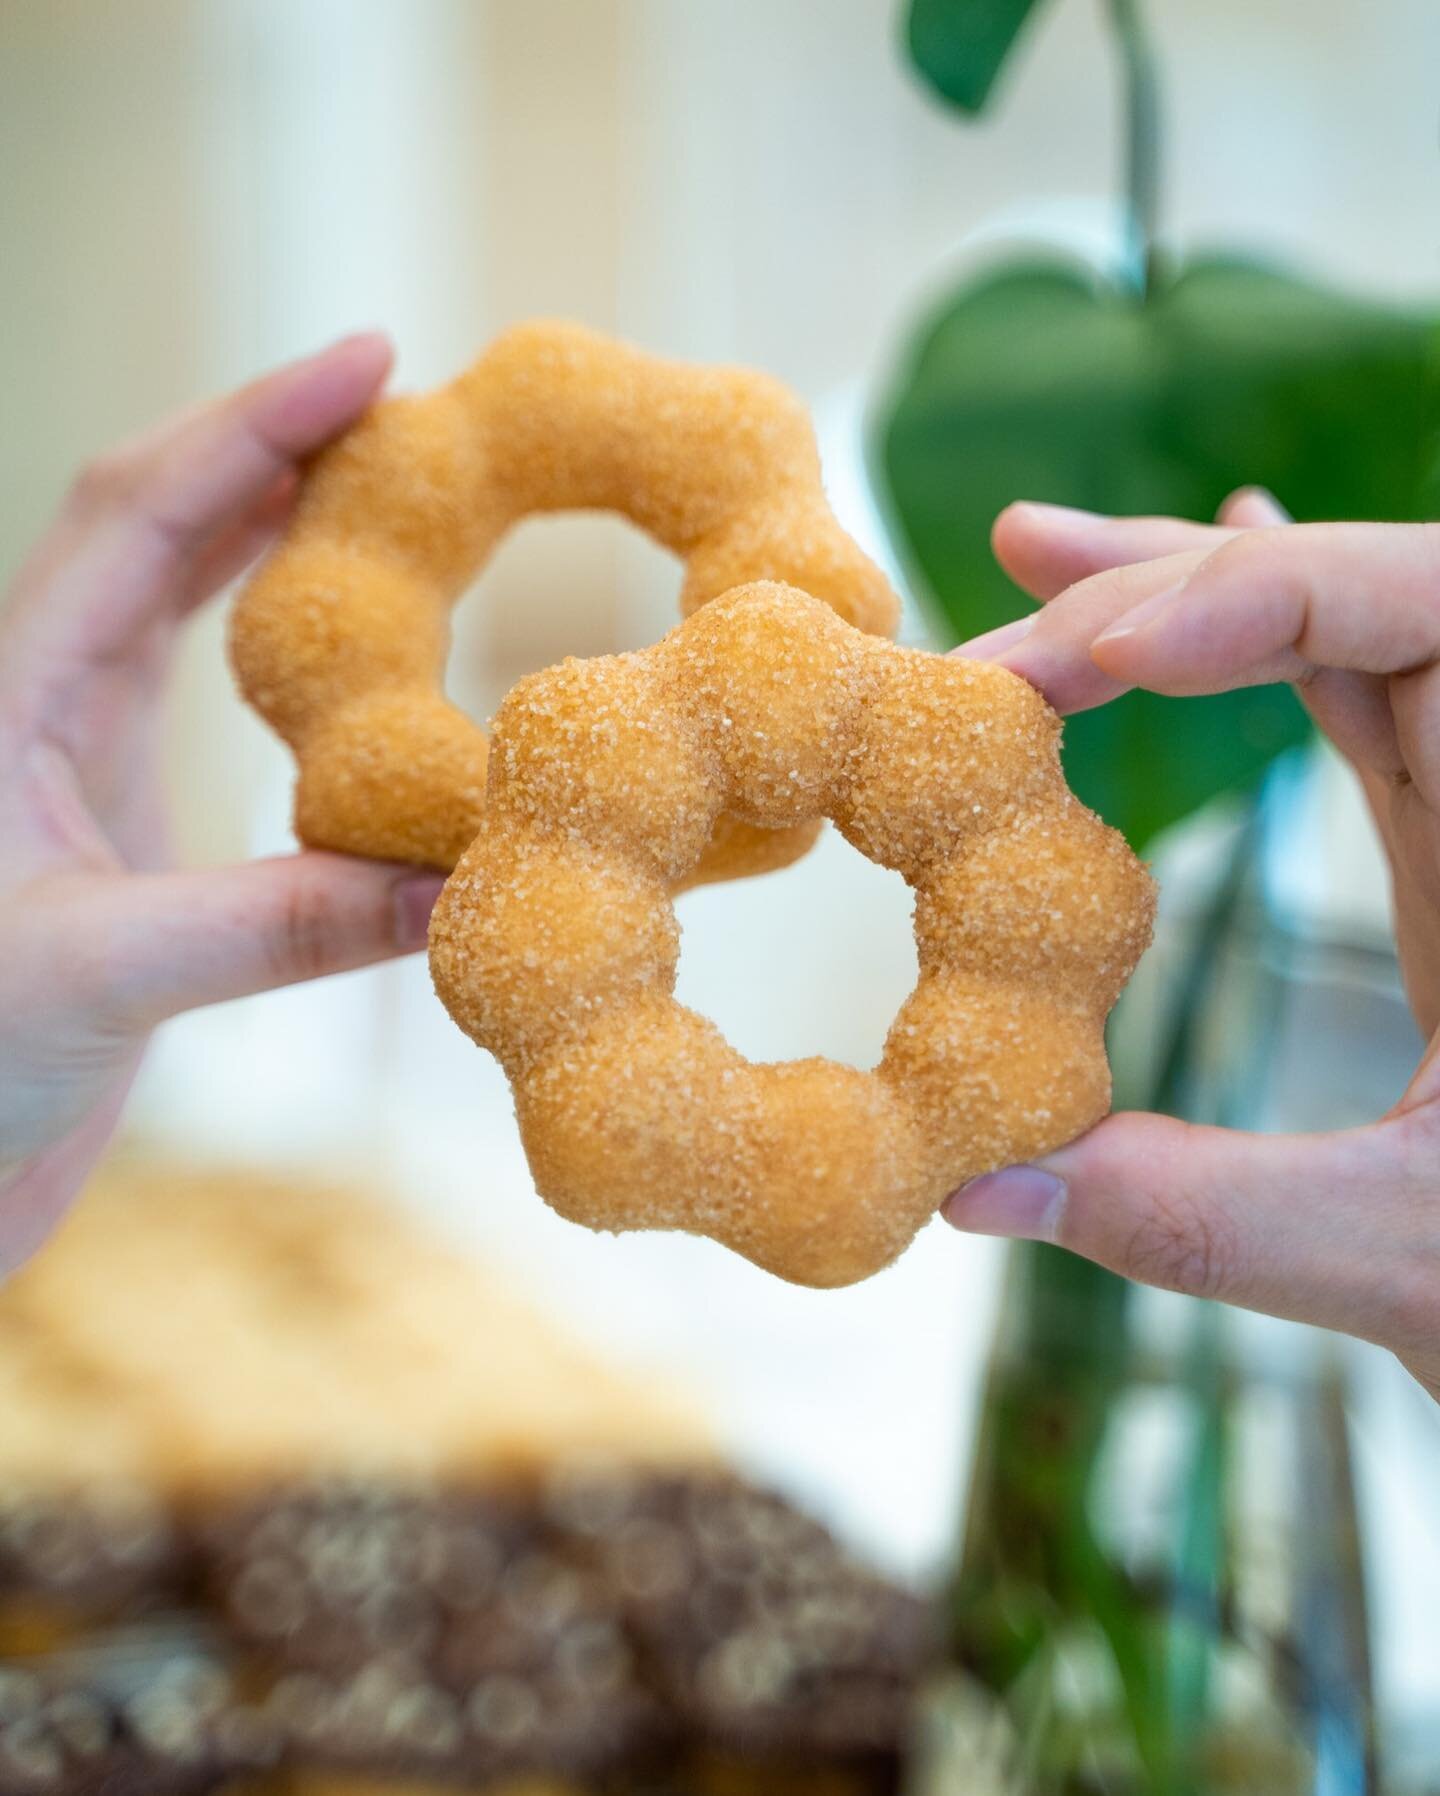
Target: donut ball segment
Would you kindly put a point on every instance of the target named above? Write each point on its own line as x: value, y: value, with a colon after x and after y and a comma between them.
x: 555, y: 945
x: 340, y: 639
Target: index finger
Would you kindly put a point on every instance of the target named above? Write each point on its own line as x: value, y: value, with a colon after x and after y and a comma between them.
x: 1046, y: 549
x: 1051, y: 648
x: 137, y: 517
x: 1265, y: 606
x: 1050, y: 548
x: 1281, y: 605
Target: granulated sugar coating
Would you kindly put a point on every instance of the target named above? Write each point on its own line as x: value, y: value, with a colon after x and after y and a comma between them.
x: 555, y: 945
x: 340, y: 639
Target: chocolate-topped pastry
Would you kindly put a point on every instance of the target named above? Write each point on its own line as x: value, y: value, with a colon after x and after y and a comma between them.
x: 431, y: 1636
x: 761, y: 1633
x: 614, y: 1624
x: 68, y: 1560
x: 550, y: 1676
x: 337, y: 1574
x: 541, y: 1679
x: 178, y: 1729
x: 390, y: 1721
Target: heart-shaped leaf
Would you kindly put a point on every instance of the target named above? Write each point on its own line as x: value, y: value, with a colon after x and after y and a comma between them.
x: 960, y: 46
x: 1043, y: 382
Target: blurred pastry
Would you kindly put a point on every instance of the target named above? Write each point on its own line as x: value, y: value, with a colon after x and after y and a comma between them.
x: 194, y: 1330
x: 611, y: 1622
x: 528, y: 1606
x: 127, y: 1726
x: 771, y: 1645
x: 71, y: 1560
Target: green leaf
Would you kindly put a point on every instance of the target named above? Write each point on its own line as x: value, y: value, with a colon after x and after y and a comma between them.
x: 959, y: 46
x: 1041, y: 381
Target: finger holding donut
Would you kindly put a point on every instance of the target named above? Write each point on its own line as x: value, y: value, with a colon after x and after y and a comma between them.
x: 1342, y: 1228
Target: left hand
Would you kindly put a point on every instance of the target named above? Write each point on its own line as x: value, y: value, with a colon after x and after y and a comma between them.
x: 99, y: 942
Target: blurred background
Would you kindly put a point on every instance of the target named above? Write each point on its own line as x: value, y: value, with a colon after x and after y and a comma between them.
x: 194, y: 190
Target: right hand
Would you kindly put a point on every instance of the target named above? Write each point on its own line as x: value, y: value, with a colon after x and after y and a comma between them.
x: 1348, y: 613
x: 1340, y: 1229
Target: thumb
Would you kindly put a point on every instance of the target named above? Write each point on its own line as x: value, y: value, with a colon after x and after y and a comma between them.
x: 1337, y: 1229
x: 176, y: 941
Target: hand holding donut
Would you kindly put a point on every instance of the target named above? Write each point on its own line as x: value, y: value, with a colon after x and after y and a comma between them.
x: 1340, y: 1229
x: 98, y: 940
x: 614, y: 783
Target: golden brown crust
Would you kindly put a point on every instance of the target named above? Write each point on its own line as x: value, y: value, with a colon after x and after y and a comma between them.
x: 340, y: 639
x: 554, y: 943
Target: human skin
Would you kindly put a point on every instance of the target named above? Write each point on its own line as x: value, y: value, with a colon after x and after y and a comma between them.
x: 101, y: 938
x: 1340, y: 1229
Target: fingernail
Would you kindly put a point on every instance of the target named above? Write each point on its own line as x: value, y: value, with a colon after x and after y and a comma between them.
x: 1141, y: 616
x: 374, y: 337
x: 1023, y: 1202
x: 995, y: 642
x: 373, y: 340
x: 414, y: 900
x: 1267, y: 500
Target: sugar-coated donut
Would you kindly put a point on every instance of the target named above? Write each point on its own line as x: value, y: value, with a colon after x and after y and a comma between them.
x: 554, y: 943
x: 340, y: 638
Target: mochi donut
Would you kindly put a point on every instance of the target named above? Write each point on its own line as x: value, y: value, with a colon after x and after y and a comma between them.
x: 339, y: 640
x: 554, y: 942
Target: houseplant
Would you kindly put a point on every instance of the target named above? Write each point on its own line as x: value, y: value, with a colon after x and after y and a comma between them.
x: 1154, y: 384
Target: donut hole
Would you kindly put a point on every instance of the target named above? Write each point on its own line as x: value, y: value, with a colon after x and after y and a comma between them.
x: 558, y: 584
x: 812, y: 960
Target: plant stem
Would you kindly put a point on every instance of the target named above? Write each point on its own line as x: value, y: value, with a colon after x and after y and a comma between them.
x: 1142, y: 140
